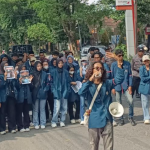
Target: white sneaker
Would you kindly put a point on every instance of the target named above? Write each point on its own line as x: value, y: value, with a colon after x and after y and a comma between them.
x: 36, y: 127
x: 73, y: 121
x: 22, y: 130
x: 3, y: 132
x: 146, y: 122
x: 42, y: 127
x: 31, y: 124
x: 13, y: 131
x: 54, y: 125
x: 27, y: 129
x: 62, y: 124
x: 115, y: 123
x: 78, y: 121
x: 82, y: 122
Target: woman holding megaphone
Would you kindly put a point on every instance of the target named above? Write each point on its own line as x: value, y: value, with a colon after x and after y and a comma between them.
x: 99, y: 93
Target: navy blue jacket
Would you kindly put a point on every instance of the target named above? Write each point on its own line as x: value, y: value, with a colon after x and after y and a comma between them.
x: 60, y: 90
x: 144, y: 87
x: 22, y: 90
x: 72, y: 95
x: 2, y: 89
x: 127, y: 75
x: 42, y: 92
x: 100, y: 110
x: 29, y: 67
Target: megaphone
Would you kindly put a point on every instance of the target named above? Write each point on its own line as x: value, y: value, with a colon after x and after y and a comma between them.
x: 116, y: 109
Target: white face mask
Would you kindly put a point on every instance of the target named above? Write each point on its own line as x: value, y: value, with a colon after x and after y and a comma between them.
x: 45, y: 67
x: 99, y: 75
x: 71, y: 72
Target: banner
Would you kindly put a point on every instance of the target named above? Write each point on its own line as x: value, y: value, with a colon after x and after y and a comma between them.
x: 123, y: 2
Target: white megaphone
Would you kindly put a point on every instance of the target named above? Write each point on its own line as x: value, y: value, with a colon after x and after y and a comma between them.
x: 116, y: 109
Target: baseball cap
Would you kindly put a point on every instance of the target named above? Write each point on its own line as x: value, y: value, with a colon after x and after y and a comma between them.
x: 84, y: 59
x: 143, y: 48
x: 32, y: 59
x: 145, y: 57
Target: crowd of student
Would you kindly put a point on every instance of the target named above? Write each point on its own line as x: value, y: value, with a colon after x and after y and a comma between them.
x: 50, y: 89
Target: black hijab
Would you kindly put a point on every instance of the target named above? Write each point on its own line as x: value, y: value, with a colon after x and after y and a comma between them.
x: 2, y: 67
x: 37, y: 75
x: 60, y: 70
x: 51, y: 64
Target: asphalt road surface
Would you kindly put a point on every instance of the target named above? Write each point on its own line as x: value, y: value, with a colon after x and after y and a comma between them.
x: 75, y: 137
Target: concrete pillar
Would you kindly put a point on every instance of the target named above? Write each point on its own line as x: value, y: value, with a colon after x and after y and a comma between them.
x: 129, y: 33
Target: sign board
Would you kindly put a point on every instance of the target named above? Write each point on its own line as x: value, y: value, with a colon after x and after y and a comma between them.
x: 123, y: 2
x: 147, y: 30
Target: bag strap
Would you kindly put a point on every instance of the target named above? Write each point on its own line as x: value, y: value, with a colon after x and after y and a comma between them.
x: 95, y: 95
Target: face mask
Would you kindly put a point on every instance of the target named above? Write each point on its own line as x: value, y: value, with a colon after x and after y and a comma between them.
x: 71, y: 72
x: 45, y: 67
x: 99, y: 75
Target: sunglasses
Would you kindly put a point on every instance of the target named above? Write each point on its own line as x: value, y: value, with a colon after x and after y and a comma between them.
x: 98, y: 68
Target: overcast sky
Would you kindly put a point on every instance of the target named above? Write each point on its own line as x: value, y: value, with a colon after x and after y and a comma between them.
x: 92, y: 1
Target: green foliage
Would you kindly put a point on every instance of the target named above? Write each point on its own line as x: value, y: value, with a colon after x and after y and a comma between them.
x: 40, y: 32
x: 123, y: 47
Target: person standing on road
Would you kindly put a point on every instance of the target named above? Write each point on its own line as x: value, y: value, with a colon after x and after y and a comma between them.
x: 135, y: 65
x: 144, y: 88
x: 40, y: 86
x: 125, y: 87
x: 100, y: 120
x: 60, y: 88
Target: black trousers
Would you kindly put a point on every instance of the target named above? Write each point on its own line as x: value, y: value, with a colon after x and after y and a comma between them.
x: 23, y: 108
x: 8, y: 107
x: 135, y: 85
x: 50, y: 102
x: 77, y: 113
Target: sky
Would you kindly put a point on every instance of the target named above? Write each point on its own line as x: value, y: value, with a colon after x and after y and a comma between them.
x: 92, y: 1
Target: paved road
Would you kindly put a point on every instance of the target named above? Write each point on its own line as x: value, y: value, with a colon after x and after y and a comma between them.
x: 75, y: 137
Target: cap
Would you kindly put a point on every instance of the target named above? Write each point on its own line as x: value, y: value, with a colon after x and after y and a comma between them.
x: 32, y: 59
x: 143, y: 48
x: 31, y: 52
x: 145, y: 57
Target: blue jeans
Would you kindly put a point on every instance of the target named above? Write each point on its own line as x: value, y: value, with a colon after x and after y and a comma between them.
x: 39, y: 108
x: 82, y: 107
x: 60, y: 106
x: 145, y: 106
x: 129, y: 100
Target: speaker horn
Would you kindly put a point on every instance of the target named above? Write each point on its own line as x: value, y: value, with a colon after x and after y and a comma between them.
x: 116, y: 109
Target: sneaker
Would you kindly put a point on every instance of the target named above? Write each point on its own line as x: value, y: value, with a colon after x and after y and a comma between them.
x: 73, y: 121
x: 146, y: 122
x: 27, y: 130
x: 31, y: 124
x: 3, y: 132
x: 78, y: 120
x: 115, y: 123
x: 13, y: 131
x: 82, y: 122
x: 36, y: 127
x: 121, y: 122
x: 62, y: 124
x: 22, y: 130
x: 131, y: 120
x: 54, y: 125
x: 42, y: 127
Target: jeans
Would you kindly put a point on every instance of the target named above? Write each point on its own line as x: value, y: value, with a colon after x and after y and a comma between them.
x: 145, y: 106
x: 82, y: 107
x: 129, y: 100
x: 39, y: 108
x: 59, y: 106
x: 23, y: 122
